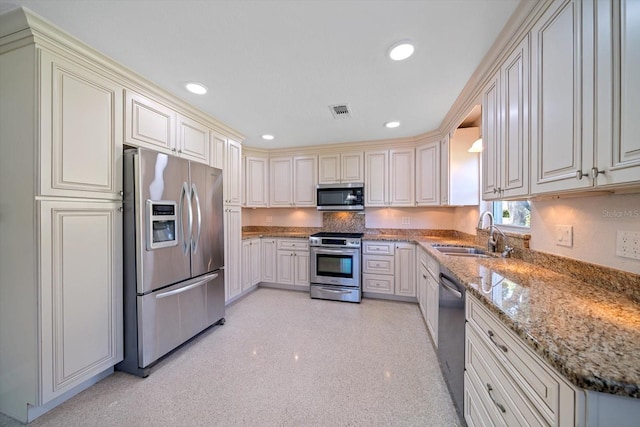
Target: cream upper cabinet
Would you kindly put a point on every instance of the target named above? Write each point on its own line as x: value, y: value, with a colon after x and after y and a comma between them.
x: 81, y: 131
x: 293, y: 181
x: 305, y: 172
x: 218, y: 145
x: 194, y: 140
x: 81, y: 292
x: 376, y: 181
x: 505, y: 109
x: 428, y: 174
x: 281, y: 182
x: 618, y: 93
x: 256, y: 182
x: 233, y: 173
x: 390, y: 178
x: 402, y: 177
x: 148, y: 123
x: 341, y: 167
x: 561, y: 99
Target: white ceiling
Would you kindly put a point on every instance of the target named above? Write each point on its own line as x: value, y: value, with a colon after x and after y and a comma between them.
x: 274, y: 66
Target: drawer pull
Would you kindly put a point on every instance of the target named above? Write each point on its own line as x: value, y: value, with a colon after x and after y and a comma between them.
x: 500, y: 346
x: 499, y: 405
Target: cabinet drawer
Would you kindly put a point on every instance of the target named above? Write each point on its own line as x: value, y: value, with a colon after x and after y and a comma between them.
x: 377, y: 283
x: 293, y: 245
x: 378, y: 248
x: 378, y: 264
x: 499, y: 392
x: 522, y: 364
x: 477, y: 411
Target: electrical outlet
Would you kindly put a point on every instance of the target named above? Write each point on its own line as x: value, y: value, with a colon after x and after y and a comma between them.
x: 406, y: 220
x: 269, y: 219
x: 564, y: 235
x: 628, y: 244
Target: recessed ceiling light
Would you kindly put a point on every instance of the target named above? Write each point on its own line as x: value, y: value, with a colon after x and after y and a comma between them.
x: 267, y: 137
x: 401, y: 50
x: 392, y: 125
x: 197, y: 88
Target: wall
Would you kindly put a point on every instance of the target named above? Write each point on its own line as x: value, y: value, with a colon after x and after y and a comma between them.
x: 595, y: 221
x: 466, y: 219
x: 428, y: 218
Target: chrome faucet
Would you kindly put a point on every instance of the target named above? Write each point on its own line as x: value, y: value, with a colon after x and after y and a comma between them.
x: 492, y: 243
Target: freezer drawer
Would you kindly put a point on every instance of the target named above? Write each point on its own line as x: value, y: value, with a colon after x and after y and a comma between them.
x: 171, y: 316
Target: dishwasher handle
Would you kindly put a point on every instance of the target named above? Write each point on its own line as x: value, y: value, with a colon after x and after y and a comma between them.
x: 452, y: 286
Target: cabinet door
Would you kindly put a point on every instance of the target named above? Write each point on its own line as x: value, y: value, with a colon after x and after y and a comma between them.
x: 433, y: 293
x: 421, y: 290
x: 402, y: 177
x: 81, y: 292
x: 405, y: 260
x: 562, y: 100
x: 194, y: 140
x: 514, y: 164
x: 218, y: 144
x: 618, y: 92
x: 256, y: 182
x: 233, y: 251
x: 428, y: 174
x: 233, y: 173
x: 148, y: 123
x: 301, y: 260
x: 245, y: 273
x: 280, y: 182
x: 285, y: 268
x: 376, y: 183
x: 491, y: 135
x: 269, y: 260
x: 352, y: 169
x: 255, y: 266
x: 305, y: 175
x: 329, y: 168
x: 444, y: 171
x: 81, y: 131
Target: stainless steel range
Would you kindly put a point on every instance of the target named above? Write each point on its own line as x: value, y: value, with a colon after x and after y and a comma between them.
x: 335, y: 266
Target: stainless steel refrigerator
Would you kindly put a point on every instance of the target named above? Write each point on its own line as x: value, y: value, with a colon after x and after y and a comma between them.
x: 173, y: 254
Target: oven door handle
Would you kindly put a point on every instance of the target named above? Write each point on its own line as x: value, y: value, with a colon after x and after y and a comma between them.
x: 336, y: 251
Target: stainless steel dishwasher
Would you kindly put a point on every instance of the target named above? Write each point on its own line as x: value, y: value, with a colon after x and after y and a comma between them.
x: 451, y: 319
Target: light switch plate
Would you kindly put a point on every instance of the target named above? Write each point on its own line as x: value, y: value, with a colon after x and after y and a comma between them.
x: 564, y: 235
x: 628, y: 244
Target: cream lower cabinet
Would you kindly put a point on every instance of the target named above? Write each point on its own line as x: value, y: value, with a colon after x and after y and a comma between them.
x: 293, y: 262
x: 251, y: 263
x: 507, y: 383
x: 428, y: 291
x: 269, y: 251
x: 233, y: 252
x: 389, y: 268
x: 81, y: 292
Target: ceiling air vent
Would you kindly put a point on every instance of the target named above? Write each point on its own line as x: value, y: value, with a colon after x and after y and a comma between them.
x: 340, y: 111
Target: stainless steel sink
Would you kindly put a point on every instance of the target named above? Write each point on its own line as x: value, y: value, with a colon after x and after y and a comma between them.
x: 463, y: 251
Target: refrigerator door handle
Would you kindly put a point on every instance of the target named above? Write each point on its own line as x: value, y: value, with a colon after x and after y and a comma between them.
x: 194, y: 242
x: 185, y: 194
x: 198, y: 283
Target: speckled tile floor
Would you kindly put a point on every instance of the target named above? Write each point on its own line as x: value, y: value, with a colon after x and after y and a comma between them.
x: 282, y: 359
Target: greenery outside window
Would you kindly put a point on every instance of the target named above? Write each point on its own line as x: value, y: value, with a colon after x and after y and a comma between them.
x: 516, y: 214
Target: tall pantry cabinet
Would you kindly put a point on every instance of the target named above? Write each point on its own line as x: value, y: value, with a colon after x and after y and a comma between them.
x: 60, y: 222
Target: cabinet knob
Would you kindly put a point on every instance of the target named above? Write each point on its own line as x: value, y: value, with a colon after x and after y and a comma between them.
x: 580, y: 174
x: 595, y: 172
x: 121, y: 192
x: 120, y: 209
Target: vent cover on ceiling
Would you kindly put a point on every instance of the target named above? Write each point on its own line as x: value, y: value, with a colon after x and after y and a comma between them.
x: 340, y: 111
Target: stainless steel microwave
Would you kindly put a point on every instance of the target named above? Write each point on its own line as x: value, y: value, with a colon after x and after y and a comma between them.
x: 340, y: 197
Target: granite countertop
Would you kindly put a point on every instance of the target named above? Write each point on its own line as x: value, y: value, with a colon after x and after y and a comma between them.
x: 590, y: 334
